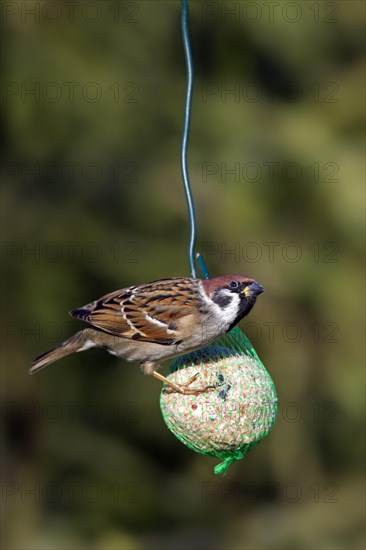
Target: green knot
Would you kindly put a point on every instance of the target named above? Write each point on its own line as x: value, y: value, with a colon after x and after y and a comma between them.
x: 223, y: 467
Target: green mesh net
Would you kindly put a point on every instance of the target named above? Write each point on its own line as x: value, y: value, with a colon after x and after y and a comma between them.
x: 233, y: 417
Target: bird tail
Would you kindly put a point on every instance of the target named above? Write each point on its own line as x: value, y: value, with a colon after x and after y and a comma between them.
x: 76, y: 343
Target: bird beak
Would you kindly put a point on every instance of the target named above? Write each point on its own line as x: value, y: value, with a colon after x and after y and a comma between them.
x: 253, y: 289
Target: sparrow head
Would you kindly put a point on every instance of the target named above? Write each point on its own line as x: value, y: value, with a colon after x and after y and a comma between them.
x: 235, y: 294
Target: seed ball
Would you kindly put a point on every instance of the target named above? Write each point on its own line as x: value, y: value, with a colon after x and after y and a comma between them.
x: 232, y: 417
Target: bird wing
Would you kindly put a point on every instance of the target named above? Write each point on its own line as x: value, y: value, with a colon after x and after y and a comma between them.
x: 161, y: 312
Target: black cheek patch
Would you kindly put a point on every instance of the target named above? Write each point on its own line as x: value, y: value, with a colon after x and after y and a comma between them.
x: 222, y: 300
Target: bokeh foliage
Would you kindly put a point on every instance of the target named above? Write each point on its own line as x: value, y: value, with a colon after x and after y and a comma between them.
x: 136, y: 217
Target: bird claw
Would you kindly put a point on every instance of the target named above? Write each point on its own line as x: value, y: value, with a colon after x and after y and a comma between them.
x: 185, y: 390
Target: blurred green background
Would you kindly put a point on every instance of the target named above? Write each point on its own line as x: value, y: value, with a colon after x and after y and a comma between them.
x: 92, y: 201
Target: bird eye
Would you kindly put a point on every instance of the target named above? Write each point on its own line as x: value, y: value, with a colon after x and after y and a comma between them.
x: 234, y: 284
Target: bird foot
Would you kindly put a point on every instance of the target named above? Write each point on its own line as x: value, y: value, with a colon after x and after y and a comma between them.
x: 185, y: 389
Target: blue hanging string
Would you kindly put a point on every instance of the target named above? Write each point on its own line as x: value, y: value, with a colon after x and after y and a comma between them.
x: 183, y: 158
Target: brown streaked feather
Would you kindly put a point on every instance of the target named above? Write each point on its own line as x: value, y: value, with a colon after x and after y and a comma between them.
x: 153, y: 312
